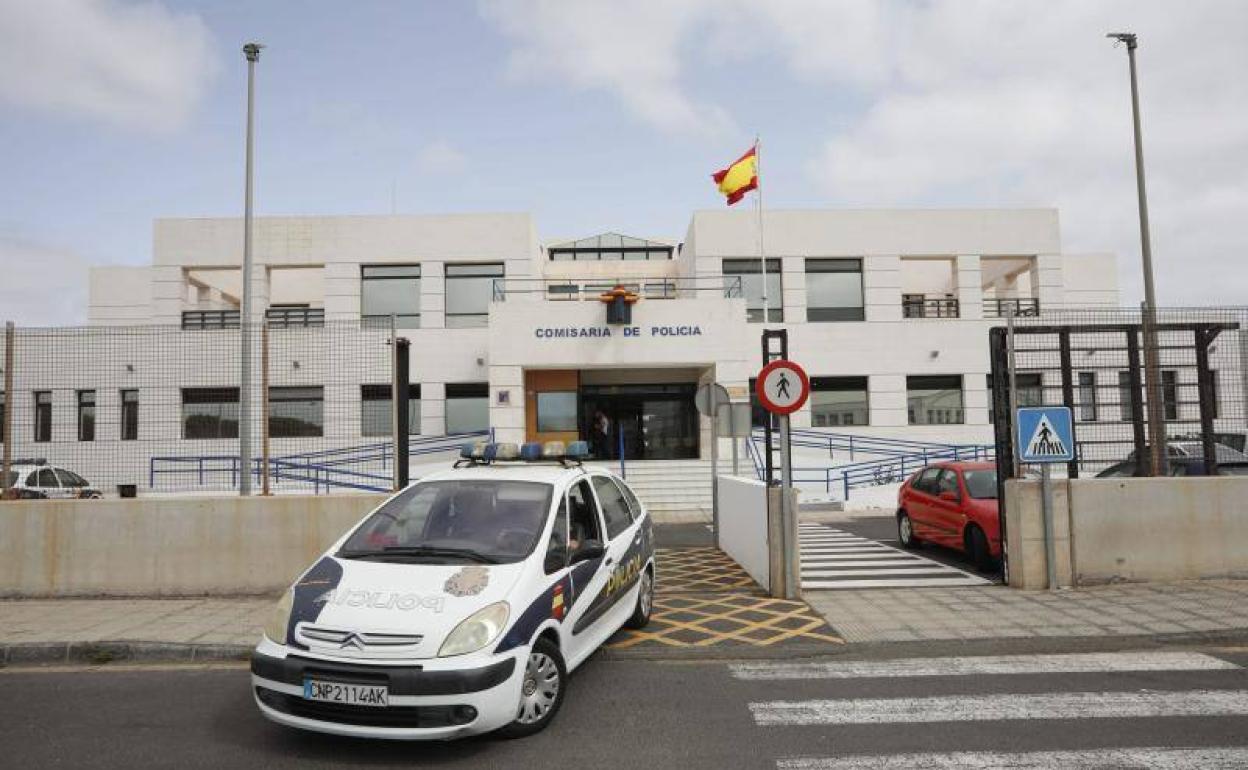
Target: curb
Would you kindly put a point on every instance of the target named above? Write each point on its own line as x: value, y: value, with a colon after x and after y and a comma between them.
x: 99, y: 653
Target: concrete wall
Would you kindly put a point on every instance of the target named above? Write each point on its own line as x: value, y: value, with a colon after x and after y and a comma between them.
x: 1145, y: 529
x: 743, y: 525
x: 186, y: 546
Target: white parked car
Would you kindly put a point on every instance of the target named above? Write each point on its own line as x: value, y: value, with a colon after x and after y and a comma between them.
x: 460, y: 604
x: 36, y: 480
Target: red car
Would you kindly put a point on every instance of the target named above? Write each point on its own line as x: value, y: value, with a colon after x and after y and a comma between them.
x: 953, y: 504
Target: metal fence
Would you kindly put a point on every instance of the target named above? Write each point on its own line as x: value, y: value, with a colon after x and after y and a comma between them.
x: 1094, y: 362
x: 156, y: 409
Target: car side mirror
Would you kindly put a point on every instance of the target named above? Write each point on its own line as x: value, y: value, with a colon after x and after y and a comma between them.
x: 950, y: 496
x: 588, y: 549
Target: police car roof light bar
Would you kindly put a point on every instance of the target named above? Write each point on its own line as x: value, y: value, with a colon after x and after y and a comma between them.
x: 531, y: 451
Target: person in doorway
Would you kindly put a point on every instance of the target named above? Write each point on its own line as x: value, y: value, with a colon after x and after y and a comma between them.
x: 602, y: 435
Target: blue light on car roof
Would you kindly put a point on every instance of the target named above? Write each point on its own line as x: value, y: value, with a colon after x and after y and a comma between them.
x: 531, y: 451
x: 491, y: 451
x: 578, y: 449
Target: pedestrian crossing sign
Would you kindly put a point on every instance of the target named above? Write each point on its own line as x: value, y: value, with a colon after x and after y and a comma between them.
x: 1045, y: 434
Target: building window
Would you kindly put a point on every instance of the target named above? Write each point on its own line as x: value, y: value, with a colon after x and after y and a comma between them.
x: 129, y: 415
x: 391, y: 290
x: 43, y: 416
x: 296, y: 412
x: 834, y: 290
x: 1030, y: 388
x: 86, y: 415
x: 934, y: 399
x: 836, y: 401
x: 1087, y: 396
x: 750, y: 271
x: 1126, y: 396
x: 469, y: 291
x: 209, y: 413
x: 467, y: 407
x: 375, y: 410
x: 1170, y: 394
x: 556, y: 411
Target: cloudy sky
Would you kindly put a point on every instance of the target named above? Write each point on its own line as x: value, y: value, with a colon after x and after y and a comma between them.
x: 601, y: 115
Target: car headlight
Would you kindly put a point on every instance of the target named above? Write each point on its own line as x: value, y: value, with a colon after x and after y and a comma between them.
x: 481, y: 628
x: 279, y: 618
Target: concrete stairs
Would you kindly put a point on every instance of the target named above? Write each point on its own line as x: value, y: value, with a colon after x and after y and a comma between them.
x: 672, y: 490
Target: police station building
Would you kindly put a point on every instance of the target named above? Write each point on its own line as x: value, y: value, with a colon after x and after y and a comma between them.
x: 887, y: 310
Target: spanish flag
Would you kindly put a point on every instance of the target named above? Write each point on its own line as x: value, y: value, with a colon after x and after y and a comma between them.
x: 739, y: 178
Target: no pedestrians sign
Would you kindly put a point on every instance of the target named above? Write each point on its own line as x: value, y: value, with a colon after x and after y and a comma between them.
x: 782, y: 387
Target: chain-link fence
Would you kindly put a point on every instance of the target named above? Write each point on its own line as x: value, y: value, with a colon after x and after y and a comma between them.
x: 1095, y: 362
x: 156, y: 409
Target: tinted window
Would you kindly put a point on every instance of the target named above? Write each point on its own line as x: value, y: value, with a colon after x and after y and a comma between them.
x: 387, y: 290
x: 926, y: 481
x: 469, y: 291
x: 633, y: 503
x: 934, y: 399
x: 750, y: 273
x: 838, y: 401
x: 981, y: 485
x: 556, y: 411
x: 948, y: 482
x: 70, y: 479
x: 834, y: 290
x: 499, y: 519
x: 375, y: 410
x: 296, y: 411
x: 45, y: 478
x: 209, y: 413
x: 558, y: 543
x: 582, y: 516
x: 614, y: 506
x: 467, y: 407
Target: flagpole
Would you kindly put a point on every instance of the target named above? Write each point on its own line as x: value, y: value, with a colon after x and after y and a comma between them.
x: 758, y: 201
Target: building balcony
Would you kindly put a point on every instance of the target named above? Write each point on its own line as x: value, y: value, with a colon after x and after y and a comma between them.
x: 209, y: 319
x: 282, y: 317
x: 920, y: 306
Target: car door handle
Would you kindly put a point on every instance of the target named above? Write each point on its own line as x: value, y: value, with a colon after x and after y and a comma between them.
x: 609, y: 561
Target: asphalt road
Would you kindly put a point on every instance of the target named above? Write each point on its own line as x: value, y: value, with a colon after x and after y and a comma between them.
x: 632, y: 714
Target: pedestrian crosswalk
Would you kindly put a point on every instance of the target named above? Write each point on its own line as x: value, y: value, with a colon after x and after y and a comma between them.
x: 1107, y: 701
x: 834, y: 559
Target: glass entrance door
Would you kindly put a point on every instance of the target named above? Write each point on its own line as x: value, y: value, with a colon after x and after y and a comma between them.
x: 651, y: 422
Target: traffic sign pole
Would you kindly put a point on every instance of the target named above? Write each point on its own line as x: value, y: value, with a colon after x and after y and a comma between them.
x: 1045, y: 435
x: 1046, y: 513
x: 782, y: 388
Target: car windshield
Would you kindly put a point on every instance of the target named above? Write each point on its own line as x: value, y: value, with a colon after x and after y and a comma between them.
x: 475, y: 520
x: 981, y: 485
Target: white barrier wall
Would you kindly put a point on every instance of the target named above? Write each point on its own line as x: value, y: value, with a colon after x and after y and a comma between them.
x: 1132, y: 529
x: 743, y: 525
x: 168, y: 546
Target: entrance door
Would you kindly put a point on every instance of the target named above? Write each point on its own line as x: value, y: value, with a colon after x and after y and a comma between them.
x: 656, y: 422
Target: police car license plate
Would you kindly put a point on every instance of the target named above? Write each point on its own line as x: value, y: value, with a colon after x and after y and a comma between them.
x: 350, y: 694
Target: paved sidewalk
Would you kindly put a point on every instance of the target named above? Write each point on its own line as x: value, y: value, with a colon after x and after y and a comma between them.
x: 998, y: 612
x: 119, y: 629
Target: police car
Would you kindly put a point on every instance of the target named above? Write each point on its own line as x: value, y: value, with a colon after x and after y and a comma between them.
x: 34, y: 479
x: 460, y: 605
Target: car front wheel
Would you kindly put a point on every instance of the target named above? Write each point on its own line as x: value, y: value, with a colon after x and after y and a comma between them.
x: 541, y: 691
x: 977, y: 549
x: 905, y: 531
x: 645, y: 602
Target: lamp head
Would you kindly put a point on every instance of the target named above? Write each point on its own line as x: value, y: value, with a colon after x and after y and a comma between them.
x: 1123, y: 37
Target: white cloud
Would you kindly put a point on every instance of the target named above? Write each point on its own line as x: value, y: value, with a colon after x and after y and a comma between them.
x: 131, y: 64
x: 43, y: 285
x: 963, y: 102
x: 632, y: 50
x: 440, y: 157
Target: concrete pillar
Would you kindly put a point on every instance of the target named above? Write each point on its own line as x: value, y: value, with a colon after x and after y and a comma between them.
x: 507, y: 419
x: 969, y: 287
x: 433, y: 408
x: 342, y: 291
x: 793, y: 289
x: 1046, y: 281
x: 886, y: 398
x: 168, y: 294
x: 881, y: 287
x: 432, y: 296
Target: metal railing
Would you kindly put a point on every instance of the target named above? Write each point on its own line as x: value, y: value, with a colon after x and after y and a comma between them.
x: 295, y: 316
x: 930, y: 307
x: 1000, y: 308
x: 575, y: 290
x: 901, y: 458
x: 209, y: 319
x: 327, y: 469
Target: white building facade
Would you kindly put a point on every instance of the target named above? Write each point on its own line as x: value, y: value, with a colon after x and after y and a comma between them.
x: 887, y: 310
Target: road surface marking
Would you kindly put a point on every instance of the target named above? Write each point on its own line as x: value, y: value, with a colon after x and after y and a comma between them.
x: 999, y: 707
x: 1093, y: 759
x: 1066, y: 663
x: 833, y: 559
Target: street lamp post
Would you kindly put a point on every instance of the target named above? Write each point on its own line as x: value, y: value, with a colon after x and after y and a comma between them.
x: 1152, y: 367
x: 252, y: 52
